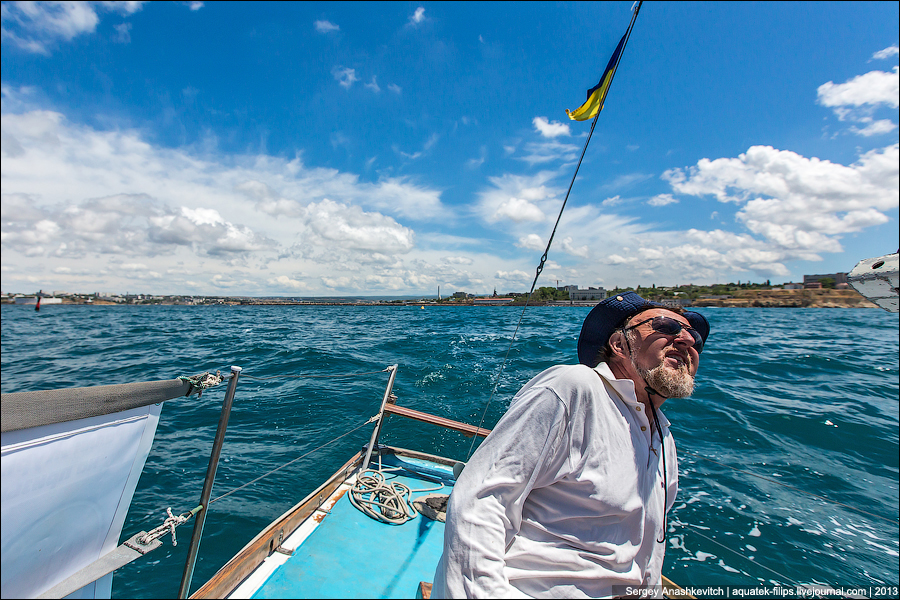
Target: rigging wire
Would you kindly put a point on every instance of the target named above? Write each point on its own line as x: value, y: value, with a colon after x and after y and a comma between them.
x: 264, y: 475
x: 245, y: 376
x: 706, y: 537
x: 796, y: 489
x: 683, y: 451
x: 635, y: 10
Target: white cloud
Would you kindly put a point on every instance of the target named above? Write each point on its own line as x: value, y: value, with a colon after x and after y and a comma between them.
x: 202, y: 216
x: 799, y: 206
x: 544, y: 152
x: 550, y: 129
x: 428, y: 145
x: 569, y: 248
x: 517, y: 209
x: 857, y: 99
x: 115, y: 195
x: 418, y: 16
x: 872, y: 88
x: 662, y: 200
x: 123, y: 33
x: 511, y: 193
x: 36, y: 26
x: 345, y: 76
x: 791, y: 207
x: 887, y: 52
x: 395, y: 88
x: 875, y: 127
x: 373, y: 85
x: 532, y: 241
x: 123, y: 225
x: 612, y: 201
x: 627, y: 180
x: 392, y: 194
x: 474, y: 163
x: 513, y: 277
x: 286, y: 283
x: 458, y: 260
x: 324, y: 26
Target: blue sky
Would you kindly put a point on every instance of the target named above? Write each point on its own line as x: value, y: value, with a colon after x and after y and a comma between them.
x: 391, y: 148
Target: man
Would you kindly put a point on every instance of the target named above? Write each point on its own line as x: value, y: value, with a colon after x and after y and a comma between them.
x: 567, y: 497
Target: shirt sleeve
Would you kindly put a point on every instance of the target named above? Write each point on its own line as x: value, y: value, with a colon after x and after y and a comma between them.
x: 524, y: 451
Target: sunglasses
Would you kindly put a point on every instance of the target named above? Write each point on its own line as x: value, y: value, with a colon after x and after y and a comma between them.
x: 670, y: 326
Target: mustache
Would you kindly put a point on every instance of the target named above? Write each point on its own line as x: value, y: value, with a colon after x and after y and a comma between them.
x: 686, y: 361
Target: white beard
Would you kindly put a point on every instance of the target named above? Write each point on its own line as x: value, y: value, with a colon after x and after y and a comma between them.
x: 669, y: 383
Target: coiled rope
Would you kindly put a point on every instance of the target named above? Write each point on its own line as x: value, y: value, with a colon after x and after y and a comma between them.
x: 392, y: 500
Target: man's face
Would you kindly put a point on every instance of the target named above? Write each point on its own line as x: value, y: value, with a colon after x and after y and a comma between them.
x: 667, y: 363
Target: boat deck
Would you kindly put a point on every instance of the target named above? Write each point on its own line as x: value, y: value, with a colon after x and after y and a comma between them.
x: 341, y: 553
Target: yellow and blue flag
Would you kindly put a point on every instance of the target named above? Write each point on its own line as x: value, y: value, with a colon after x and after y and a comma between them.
x: 597, y: 94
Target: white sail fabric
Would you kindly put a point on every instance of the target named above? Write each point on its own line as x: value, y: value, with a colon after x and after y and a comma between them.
x: 66, y: 491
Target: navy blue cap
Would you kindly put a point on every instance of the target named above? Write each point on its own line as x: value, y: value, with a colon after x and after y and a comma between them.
x: 611, y: 314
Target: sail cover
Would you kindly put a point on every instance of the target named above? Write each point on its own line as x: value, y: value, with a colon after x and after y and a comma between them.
x: 67, y: 486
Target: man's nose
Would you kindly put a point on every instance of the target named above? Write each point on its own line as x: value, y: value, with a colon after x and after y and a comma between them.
x: 685, y: 336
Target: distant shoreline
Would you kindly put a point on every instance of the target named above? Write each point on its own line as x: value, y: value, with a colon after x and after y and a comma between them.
x: 765, y: 302
x: 769, y: 298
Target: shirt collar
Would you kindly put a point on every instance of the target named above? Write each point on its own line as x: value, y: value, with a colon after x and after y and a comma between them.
x: 625, y: 387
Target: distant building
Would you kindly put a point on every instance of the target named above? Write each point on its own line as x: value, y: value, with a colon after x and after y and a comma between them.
x: 838, y: 278
x: 592, y: 293
x: 812, y: 285
x: 32, y: 300
x: 492, y: 301
x: 792, y: 286
x: 461, y: 295
x: 675, y: 302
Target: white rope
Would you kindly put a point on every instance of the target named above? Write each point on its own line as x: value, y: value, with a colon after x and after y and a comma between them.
x: 168, y: 526
x: 391, y: 499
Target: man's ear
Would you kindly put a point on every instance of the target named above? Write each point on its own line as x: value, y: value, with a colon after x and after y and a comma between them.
x: 617, y: 344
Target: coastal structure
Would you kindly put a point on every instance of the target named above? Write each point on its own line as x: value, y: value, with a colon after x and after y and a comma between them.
x: 675, y: 302
x: 492, y: 301
x: 838, y: 278
x: 592, y: 293
x: 32, y: 300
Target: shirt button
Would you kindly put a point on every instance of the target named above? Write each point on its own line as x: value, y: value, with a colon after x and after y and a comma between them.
x: 662, y: 485
x: 643, y: 428
x: 639, y: 409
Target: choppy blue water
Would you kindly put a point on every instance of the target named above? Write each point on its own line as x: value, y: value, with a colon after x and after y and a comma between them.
x: 805, y: 398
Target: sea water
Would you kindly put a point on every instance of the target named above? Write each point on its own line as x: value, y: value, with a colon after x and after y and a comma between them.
x: 788, y: 449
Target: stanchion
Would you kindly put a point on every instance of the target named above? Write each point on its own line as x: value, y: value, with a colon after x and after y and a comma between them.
x: 208, y: 485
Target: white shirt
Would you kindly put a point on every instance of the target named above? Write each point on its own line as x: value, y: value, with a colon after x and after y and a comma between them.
x: 564, y: 498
